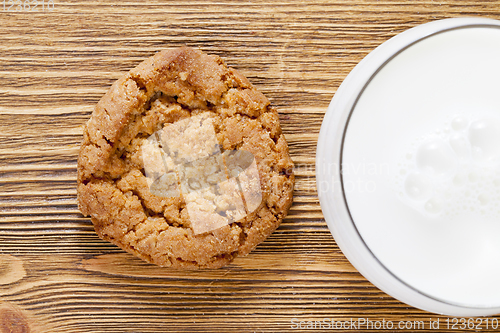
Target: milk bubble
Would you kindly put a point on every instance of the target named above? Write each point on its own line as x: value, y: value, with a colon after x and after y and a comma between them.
x: 435, y: 157
x: 455, y: 172
x: 434, y: 206
x: 418, y: 187
x: 460, y: 146
x: 459, y: 123
x: 483, y: 199
x: 473, y: 176
x: 484, y: 136
x: 460, y: 179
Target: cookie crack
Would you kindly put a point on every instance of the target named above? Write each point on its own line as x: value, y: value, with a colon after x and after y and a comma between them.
x: 147, y: 211
x: 139, y: 83
x: 243, y: 234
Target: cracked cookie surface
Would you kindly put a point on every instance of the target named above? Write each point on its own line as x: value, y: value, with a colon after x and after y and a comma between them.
x: 112, y: 186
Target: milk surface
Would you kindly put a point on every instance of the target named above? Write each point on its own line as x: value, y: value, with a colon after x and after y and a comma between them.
x: 421, y: 166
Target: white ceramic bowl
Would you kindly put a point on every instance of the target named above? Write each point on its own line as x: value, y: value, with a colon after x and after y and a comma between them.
x: 328, y: 161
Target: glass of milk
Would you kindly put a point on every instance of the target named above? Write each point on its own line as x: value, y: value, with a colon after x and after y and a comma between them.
x: 408, y: 167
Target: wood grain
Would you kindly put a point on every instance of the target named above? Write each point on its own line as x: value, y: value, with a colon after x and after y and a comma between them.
x: 56, y: 275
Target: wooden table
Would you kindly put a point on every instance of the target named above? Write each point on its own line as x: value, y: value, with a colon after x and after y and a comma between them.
x: 56, y: 275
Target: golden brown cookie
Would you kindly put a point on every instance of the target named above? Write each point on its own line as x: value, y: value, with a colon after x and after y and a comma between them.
x: 149, y: 113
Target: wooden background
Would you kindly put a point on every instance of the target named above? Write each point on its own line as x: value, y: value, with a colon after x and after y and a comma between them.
x: 56, y: 275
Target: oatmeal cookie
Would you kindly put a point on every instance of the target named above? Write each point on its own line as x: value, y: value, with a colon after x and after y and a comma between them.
x: 177, y: 194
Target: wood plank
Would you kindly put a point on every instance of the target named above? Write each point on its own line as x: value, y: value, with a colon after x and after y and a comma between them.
x: 56, y: 275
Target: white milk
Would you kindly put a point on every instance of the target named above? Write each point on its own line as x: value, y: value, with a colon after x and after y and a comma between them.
x: 421, y: 166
